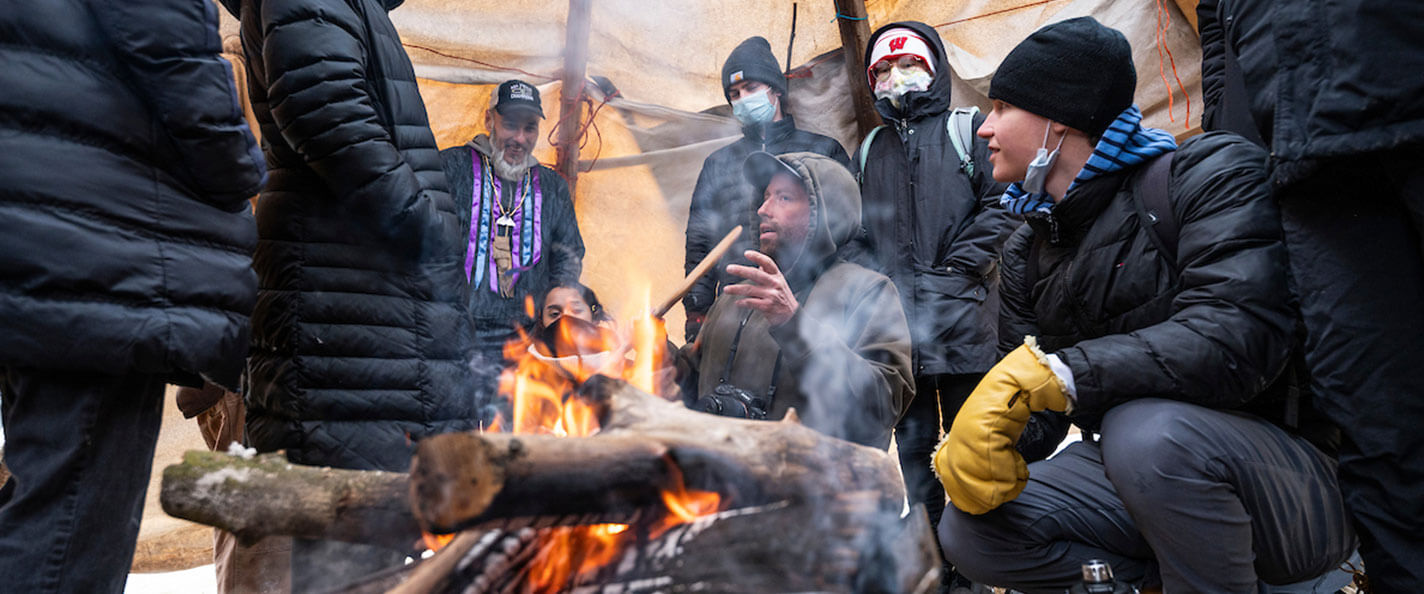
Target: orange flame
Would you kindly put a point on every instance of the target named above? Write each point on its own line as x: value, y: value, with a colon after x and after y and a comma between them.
x: 540, y: 386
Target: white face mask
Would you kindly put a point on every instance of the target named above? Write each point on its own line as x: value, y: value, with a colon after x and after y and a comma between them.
x: 1037, y: 174
x: 902, y: 81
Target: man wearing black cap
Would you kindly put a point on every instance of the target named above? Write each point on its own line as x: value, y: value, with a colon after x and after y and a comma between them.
x: 722, y: 199
x: 1150, y: 286
x: 808, y: 329
x: 517, y: 223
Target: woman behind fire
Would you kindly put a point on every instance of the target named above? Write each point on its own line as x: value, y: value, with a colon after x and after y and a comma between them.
x: 571, y: 328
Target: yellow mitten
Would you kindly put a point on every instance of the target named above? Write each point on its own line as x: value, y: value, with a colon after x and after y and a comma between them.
x: 977, y: 461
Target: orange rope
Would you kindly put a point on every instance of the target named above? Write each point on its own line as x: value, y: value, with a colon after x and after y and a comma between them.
x: 582, y: 135
x: 1162, y: 67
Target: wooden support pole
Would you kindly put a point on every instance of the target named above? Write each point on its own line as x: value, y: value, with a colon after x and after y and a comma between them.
x: 855, y: 33
x: 571, y: 91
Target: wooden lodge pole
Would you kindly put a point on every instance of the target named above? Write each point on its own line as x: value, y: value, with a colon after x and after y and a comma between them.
x: 571, y: 91
x: 855, y: 32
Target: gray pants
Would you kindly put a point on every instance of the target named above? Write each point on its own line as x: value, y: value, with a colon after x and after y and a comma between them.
x: 1211, y: 500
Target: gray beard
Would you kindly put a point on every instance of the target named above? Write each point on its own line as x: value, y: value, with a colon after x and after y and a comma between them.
x: 508, y: 172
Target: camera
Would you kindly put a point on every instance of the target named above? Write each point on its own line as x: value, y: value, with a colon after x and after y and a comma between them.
x: 730, y: 401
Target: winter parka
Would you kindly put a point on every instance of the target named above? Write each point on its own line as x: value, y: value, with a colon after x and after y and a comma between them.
x: 844, y: 355
x: 935, y: 231
x: 125, y: 170
x: 722, y: 199
x: 360, y: 336
x: 1322, y: 80
x: 1088, y: 281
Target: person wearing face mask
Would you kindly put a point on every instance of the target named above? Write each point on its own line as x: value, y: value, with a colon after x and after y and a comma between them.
x: 722, y: 199
x: 517, y: 226
x: 934, y: 225
x: 1149, y: 296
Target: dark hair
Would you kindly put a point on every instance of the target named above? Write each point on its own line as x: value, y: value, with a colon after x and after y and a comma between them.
x: 596, y: 308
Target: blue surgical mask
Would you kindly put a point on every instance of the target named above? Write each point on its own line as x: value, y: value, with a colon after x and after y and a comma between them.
x: 754, y: 108
x: 1037, y: 174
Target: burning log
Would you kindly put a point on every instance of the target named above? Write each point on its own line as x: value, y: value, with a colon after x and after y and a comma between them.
x: 4, y: 472
x: 646, y: 446
x: 847, y: 544
x: 266, y: 495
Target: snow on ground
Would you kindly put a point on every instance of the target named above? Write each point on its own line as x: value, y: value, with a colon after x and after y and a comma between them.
x: 198, y: 580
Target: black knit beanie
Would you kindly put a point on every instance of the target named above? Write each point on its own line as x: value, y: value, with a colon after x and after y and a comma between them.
x: 752, y: 60
x: 1075, y: 72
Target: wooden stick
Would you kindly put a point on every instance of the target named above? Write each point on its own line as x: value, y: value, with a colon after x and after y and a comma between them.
x: 702, y: 267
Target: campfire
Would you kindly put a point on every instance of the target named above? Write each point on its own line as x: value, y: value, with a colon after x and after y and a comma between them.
x: 594, y: 482
x: 541, y: 388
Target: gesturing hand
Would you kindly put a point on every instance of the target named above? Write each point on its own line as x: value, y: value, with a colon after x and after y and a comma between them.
x: 767, y: 292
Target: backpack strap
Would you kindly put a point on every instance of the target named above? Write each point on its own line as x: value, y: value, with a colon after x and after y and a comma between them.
x: 1151, y: 194
x: 960, y: 127
x: 864, y: 153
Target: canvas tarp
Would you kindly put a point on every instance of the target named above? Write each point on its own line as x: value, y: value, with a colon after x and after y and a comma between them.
x: 645, y: 148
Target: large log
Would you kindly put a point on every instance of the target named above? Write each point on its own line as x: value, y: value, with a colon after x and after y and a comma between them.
x: 4, y: 472
x: 266, y: 495
x: 646, y: 446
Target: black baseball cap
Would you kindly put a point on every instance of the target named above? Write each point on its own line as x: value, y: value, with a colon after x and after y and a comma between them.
x: 761, y: 166
x: 516, y: 95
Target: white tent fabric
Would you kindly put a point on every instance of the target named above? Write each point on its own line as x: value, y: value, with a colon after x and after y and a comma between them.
x: 645, y: 147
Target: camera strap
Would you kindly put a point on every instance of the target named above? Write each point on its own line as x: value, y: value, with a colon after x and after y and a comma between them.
x: 732, y: 358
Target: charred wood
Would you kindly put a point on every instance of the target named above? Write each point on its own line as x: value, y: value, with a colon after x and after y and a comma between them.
x: 645, y: 447
x: 846, y: 543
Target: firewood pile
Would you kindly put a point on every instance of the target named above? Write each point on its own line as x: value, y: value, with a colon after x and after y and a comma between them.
x: 658, y: 498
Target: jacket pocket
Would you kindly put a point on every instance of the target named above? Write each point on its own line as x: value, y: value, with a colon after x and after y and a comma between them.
x: 954, y: 325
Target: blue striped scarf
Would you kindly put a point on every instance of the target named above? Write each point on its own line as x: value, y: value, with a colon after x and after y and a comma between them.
x: 1125, y: 143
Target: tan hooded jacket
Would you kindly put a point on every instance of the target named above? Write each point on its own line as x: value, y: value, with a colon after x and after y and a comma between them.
x: 845, y: 355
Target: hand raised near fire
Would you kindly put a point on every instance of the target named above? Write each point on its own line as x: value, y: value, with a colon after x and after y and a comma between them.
x: 767, y: 292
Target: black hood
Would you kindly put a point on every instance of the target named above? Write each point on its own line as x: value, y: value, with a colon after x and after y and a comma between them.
x: 234, y: 7
x: 918, y: 104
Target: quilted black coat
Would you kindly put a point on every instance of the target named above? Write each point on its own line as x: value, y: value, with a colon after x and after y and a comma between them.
x: 1215, y: 332
x: 1322, y: 80
x: 360, y: 338
x: 125, y: 169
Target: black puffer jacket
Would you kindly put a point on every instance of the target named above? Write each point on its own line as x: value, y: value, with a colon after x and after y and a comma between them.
x: 1322, y: 79
x: 125, y: 169
x: 723, y: 199
x: 934, y: 231
x: 1217, y: 333
x: 360, y: 338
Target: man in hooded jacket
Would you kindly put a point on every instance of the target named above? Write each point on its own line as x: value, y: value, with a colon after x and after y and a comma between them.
x: 360, y: 336
x: 1171, y: 347
x: 1334, y: 91
x: 125, y: 170
x: 808, y: 329
x: 722, y: 199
